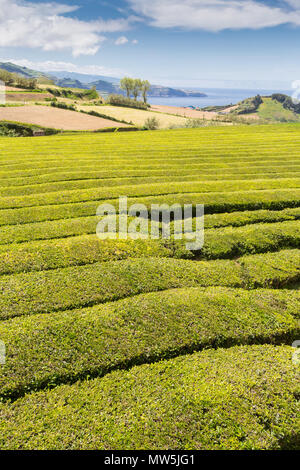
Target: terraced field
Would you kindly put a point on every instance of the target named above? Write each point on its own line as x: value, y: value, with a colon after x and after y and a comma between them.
x: 143, y: 344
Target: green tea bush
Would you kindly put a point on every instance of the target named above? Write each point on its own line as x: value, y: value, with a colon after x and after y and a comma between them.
x: 81, y: 286
x: 242, y: 398
x: 71, y: 345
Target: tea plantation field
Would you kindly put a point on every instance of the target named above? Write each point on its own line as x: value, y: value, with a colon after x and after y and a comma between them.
x: 143, y: 344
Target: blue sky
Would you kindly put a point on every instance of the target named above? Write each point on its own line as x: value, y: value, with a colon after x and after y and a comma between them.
x: 173, y: 42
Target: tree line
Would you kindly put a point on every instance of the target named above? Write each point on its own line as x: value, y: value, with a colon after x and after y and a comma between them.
x: 135, y: 87
x: 12, y: 79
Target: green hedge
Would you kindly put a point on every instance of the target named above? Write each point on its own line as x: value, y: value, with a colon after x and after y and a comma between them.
x: 243, y: 398
x: 225, y: 243
x: 214, y: 203
x: 46, y: 350
x: 82, y: 286
x: 17, y: 129
x: 168, y: 190
x: 86, y: 225
x: 104, y: 116
x: 117, y: 177
x: 91, y: 94
x: 123, y: 101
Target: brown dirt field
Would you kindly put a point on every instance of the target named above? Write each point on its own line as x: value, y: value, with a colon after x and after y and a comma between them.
x: 189, y: 113
x: 56, y: 118
x: 12, y: 88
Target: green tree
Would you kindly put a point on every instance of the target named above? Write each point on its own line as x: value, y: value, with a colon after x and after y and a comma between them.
x: 127, y: 85
x: 137, y: 88
x: 32, y: 83
x: 7, y: 77
x: 145, y: 88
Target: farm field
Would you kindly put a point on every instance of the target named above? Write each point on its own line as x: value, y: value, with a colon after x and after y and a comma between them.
x: 24, y: 97
x: 48, y: 116
x: 137, y: 116
x: 144, y: 344
x: 184, y: 112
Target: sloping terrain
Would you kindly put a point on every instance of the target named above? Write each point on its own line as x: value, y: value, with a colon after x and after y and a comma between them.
x: 137, y: 116
x: 184, y: 112
x: 143, y: 344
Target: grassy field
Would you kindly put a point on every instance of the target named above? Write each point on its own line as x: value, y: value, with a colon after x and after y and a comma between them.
x: 123, y: 344
x: 271, y: 110
x: 137, y: 116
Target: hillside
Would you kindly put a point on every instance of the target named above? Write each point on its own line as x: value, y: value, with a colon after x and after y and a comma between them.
x: 275, y: 108
x: 24, y: 71
x: 106, y: 85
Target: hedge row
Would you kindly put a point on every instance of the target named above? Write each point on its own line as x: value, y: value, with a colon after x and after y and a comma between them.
x: 242, y: 398
x: 214, y: 203
x: 140, y: 163
x: 225, y: 243
x: 93, y: 183
x: 83, y: 286
x: 142, y: 190
x: 25, y: 130
x: 54, y: 174
x: 86, y: 249
x: 47, y: 350
x: 55, y: 180
x: 87, y: 225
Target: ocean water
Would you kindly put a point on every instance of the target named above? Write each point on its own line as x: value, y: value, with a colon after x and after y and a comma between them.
x: 215, y: 96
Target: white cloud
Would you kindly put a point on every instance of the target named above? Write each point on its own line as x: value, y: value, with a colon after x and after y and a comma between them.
x: 216, y: 15
x: 52, y: 66
x: 135, y: 41
x: 46, y: 26
x: 121, y: 41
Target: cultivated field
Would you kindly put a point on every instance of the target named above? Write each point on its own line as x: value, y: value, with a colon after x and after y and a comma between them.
x: 123, y: 344
x: 48, y: 116
x: 185, y: 112
x: 137, y: 116
x: 25, y: 96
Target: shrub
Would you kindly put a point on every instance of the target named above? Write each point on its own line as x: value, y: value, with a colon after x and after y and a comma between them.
x: 104, y: 116
x: 6, y: 132
x: 249, y: 105
x: 151, y: 124
x: 91, y: 94
x: 120, y: 100
x: 287, y: 102
x: 225, y: 243
x: 17, y: 129
x: 60, y: 105
x: 193, y: 123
